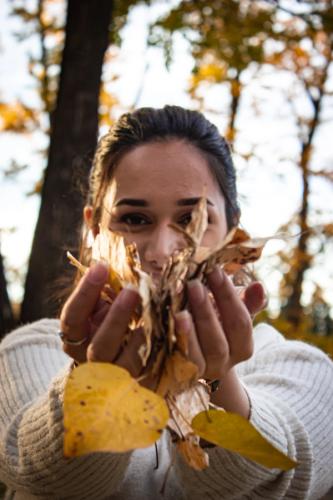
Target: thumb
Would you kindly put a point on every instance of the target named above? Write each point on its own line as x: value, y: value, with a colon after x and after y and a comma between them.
x: 255, y: 298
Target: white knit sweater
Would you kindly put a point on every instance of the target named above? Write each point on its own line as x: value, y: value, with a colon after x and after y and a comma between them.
x: 290, y: 385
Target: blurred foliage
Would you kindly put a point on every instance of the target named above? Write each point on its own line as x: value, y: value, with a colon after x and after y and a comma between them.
x: 45, y: 20
x: 16, y: 117
x: 121, y: 11
x: 227, y: 37
x: 316, y: 327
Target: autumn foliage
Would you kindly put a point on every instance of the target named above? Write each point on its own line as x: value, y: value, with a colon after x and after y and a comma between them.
x: 232, y: 43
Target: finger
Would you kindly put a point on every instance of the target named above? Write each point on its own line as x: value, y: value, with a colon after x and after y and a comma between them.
x: 235, y: 318
x: 255, y: 298
x: 109, y: 337
x: 78, y: 308
x: 129, y: 357
x: 212, y: 340
x: 185, y: 327
x: 98, y: 316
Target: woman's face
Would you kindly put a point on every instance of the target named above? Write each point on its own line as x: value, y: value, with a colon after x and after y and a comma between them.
x: 157, y: 184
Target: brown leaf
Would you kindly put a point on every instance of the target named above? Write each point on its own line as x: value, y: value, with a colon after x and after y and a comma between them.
x: 178, y: 374
x: 192, y: 452
x: 185, y: 406
x: 199, y: 221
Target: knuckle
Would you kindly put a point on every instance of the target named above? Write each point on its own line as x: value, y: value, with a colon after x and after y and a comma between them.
x: 243, y: 324
x: 68, y: 324
x: 215, y: 364
x: 246, y: 352
x: 68, y: 320
x: 204, y: 313
x: 83, y: 293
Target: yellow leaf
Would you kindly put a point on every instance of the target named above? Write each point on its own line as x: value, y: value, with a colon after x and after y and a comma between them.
x: 235, y: 433
x: 105, y: 409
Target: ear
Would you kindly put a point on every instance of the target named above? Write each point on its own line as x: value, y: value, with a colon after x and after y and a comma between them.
x: 88, y: 219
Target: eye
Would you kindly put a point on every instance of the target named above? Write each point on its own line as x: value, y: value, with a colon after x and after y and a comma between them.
x: 185, y: 219
x: 133, y: 219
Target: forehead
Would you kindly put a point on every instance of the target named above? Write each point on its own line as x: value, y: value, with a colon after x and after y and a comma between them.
x: 174, y: 168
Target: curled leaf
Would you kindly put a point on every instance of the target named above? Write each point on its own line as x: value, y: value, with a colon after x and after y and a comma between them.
x: 179, y: 373
x: 76, y: 263
x: 122, y: 261
x: 192, y: 452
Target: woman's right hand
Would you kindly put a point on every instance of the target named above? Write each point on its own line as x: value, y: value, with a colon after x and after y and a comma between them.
x: 85, y: 315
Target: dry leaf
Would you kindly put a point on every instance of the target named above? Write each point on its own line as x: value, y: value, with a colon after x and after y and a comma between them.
x: 105, y: 409
x: 83, y: 269
x: 184, y: 407
x: 179, y: 373
x: 235, y: 433
x: 122, y: 260
x: 199, y: 221
x: 192, y: 452
x: 160, y: 304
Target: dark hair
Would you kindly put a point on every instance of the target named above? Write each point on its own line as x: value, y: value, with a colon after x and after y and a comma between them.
x: 149, y: 125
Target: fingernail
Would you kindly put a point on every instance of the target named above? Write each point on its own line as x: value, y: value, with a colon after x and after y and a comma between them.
x: 98, y: 274
x: 196, y: 291
x: 129, y: 296
x: 183, y: 331
x: 216, y: 276
x: 183, y: 320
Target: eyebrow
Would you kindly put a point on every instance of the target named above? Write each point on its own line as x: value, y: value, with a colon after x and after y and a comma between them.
x: 192, y: 201
x: 133, y: 202
x: 137, y: 202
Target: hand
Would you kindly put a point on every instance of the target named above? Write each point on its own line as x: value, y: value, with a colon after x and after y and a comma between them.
x: 104, y: 326
x: 219, y: 333
x: 254, y: 297
x: 219, y: 337
x: 85, y: 315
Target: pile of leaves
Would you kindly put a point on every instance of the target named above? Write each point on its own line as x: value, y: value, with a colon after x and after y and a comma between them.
x: 105, y: 409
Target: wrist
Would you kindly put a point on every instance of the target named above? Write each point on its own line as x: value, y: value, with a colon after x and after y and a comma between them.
x: 231, y: 395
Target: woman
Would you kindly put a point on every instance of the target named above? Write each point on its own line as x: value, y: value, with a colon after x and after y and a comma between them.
x: 148, y: 172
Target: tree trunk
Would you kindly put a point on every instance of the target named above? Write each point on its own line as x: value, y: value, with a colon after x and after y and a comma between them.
x: 236, y: 88
x: 293, y: 310
x: 73, y: 140
x: 6, y: 313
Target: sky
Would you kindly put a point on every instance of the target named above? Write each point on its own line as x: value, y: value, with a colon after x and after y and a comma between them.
x: 270, y: 190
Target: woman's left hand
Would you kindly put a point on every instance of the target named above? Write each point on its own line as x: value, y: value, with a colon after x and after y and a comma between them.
x: 219, y: 337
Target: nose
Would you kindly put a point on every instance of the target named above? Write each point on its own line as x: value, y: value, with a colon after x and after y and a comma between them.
x: 163, y: 241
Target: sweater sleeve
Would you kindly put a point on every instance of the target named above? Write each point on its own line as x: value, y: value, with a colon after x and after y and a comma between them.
x: 34, y: 370
x: 290, y: 387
